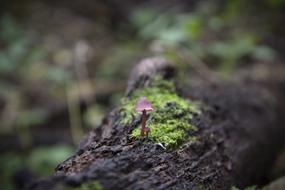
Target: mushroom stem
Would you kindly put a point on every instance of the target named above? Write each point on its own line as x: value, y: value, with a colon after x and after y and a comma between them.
x: 143, y: 123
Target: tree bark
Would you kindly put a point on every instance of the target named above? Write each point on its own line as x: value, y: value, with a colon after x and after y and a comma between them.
x: 240, y: 132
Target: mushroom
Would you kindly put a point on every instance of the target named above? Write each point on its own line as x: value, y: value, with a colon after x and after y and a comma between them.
x: 144, y: 106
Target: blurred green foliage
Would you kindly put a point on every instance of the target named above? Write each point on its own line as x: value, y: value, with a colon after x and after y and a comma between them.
x: 41, y: 161
x: 19, y: 52
x: 23, y: 72
x: 205, y: 34
x: 116, y: 64
x: 94, y: 115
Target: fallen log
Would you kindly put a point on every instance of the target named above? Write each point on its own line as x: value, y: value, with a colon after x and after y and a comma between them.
x: 212, y: 136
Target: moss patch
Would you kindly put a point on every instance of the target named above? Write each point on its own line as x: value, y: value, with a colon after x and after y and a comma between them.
x: 92, y: 185
x: 170, y: 121
x: 247, y: 188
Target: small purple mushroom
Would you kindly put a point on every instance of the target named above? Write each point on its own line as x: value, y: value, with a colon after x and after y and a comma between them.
x: 143, y: 106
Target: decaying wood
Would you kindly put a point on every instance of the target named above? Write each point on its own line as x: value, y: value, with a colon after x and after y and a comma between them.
x: 241, y: 129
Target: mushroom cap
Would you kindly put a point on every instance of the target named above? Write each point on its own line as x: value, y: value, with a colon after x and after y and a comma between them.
x: 143, y: 104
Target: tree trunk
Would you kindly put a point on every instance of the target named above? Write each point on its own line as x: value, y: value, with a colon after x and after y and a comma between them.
x: 240, y: 131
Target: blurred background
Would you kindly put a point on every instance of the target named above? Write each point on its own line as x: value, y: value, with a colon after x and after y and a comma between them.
x: 64, y: 64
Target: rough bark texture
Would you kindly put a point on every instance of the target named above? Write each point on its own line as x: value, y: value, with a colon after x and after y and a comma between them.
x: 240, y: 132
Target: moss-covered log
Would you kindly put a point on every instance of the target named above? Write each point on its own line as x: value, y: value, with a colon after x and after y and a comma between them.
x: 203, y: 137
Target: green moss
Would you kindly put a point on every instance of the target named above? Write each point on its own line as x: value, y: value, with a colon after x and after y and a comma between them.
x: 247, y: 188
x: 170, y: 120
x: 92, y: 185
